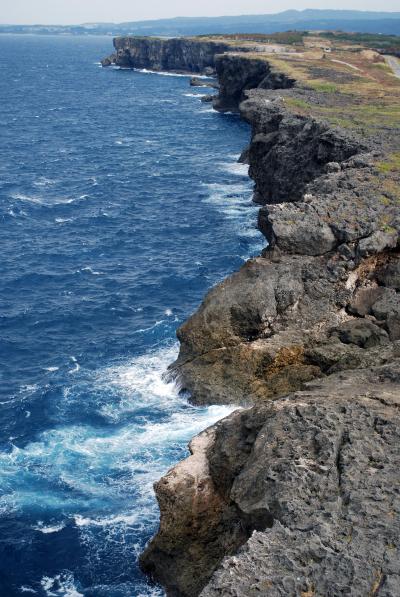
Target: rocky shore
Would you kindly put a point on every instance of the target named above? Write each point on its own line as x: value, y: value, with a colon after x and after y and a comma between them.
x: 298, y: 493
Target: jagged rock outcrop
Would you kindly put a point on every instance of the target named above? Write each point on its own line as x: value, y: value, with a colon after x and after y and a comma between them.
x: 288, y: 150
x: 299, y: 496
x: 237, y: 74
x: 281, y: 321
x: 178, y: 55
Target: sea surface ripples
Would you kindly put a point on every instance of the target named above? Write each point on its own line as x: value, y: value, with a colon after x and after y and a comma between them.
x: 121, y: 204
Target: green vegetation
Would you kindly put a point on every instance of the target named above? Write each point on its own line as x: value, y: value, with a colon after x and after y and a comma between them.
x: 323, y: 87
x: 285, y: 37
x: 300, y: 104
x: 370, y: 40
x: 392, y: 164
x: 389, y: 229
x: 354, y: 91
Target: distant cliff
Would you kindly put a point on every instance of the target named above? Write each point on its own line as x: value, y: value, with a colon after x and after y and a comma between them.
x: 177, y: 55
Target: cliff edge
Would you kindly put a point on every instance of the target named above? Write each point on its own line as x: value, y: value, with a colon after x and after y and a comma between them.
x: 298, y: 493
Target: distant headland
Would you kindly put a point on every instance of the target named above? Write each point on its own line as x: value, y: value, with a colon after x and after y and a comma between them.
x: 345, y: 20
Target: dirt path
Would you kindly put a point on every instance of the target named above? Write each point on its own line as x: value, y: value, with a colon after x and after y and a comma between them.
x: 346, y: 63
x: 394, y: 64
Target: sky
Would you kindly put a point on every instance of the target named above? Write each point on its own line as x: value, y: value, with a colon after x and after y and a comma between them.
x: 82, y: 11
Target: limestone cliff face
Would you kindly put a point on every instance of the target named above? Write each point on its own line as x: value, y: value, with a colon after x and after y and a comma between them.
x: 179, y: 55
x: 298, y: 494
x: 289, y: 150
x: 237, y: 74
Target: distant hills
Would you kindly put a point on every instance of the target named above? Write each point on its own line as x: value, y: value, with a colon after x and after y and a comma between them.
x: 309, y: 19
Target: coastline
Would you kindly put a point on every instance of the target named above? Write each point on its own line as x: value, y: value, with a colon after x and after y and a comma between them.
x: 307, y: 336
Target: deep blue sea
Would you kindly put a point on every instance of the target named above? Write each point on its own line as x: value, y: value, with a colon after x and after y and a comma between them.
x: 121, y: 204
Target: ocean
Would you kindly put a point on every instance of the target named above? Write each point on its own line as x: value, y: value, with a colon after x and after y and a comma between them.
x: 121, y: 204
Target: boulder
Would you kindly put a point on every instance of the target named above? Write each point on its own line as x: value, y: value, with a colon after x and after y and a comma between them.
x: 196, y: 82
x: 377, y: 242
x: 390, y: 275
x: 361, y: 332
x: 363, y: 300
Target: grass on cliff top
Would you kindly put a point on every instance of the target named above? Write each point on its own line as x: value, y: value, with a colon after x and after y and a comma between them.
x: 370, y: 40
x: 283, y: 37
x: 330, y: 38
x: 354, y: 86
x: 354, y: 89
x: 392, y: 163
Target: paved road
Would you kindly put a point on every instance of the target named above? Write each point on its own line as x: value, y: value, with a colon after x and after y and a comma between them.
x: 394, y: 64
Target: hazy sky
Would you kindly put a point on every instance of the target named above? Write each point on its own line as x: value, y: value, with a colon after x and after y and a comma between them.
x: 79, y: 11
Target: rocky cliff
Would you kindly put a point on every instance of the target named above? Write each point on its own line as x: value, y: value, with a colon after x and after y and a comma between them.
x: 297, y: 495
x: 237, y: 74
x: 276, y: 323
x: 177, y: 55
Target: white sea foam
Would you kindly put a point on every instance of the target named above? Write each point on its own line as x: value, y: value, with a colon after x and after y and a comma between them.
x: 169, y: 74
x: 90, y: 270
x: 234, y: 200
x: 25, y: 589
x: 61, y: 585
x: 182, y: 425
x: 8, y: 505
x: 42, y: 181
x: 198, y: 95
x: 63, y: 220
x: 151, y: 327
x: 108, y: 472
x: 76, y: 367
x: 49, y: 529
x: 235, y: 168
x: 28, y: 389
x: 27, y: 198
x: 142, y: 379
x: 118, y: 519
x: 39, y: 200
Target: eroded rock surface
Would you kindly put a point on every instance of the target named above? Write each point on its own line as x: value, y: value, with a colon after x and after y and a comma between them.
x: 307, y: 485
x: 284, y: 320
x: 237, y: 74
x: 179, y: 55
